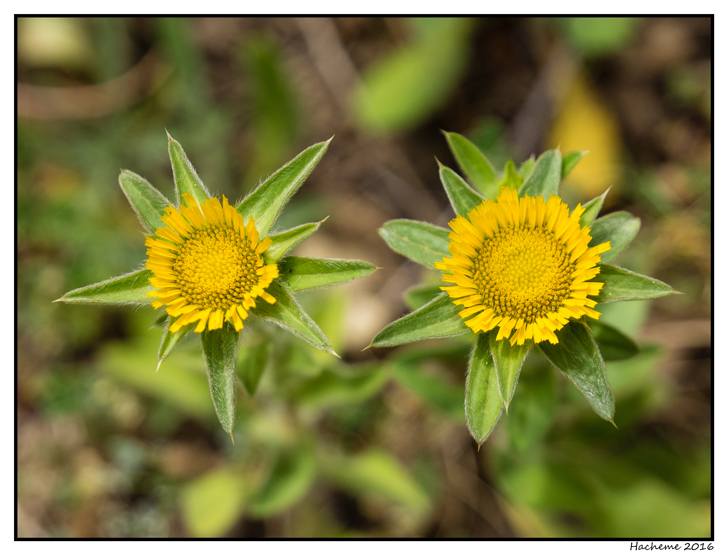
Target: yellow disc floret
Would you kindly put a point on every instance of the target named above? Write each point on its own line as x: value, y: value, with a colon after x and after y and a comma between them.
x: 523, y: 265
x: 207, y: 264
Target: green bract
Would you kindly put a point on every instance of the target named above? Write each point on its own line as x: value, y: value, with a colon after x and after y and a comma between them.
x: 580, y: 344
x: 221, y: 341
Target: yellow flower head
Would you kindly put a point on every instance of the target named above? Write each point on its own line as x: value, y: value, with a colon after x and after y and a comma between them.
x: 208, y: 265
x: 522, y: 264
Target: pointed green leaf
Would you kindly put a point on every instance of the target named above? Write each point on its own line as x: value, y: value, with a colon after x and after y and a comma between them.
x: 527, y: 167
x: 130, y: 288
x: 212, y: 503
x: 161, y: 321
x: 289, y: 315
x: 420, y: 295
x: 623, y: 285
x: 268, y: 199
x: 170, y: 340
x: 591, y: 209
x: 290, y: 478
x: 286, y: 240
x: 577, y: 355
x: 438, y: 318
x: 186, y: 179
x: 474, y: 164
x: 613, y: 344
x: 508, y: 360
x: 570, y: 160
x: 220, y: 351
x: 147, y: 202
x: 433, y: 389
x: 252, y: 361
x: 462, y: 197
x: 545, y: 177
x: 511, y: 177
x: 619, y: 228
x: 483, y: 402
x: 300, y: 273
x: 419, y: 241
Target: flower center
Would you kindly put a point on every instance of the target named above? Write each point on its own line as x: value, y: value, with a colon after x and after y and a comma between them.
x: 216, y: 267
x: 523, y: 273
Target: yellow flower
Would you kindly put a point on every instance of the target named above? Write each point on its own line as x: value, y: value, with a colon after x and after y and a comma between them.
x: 522, y: 264
x: 208, y: 265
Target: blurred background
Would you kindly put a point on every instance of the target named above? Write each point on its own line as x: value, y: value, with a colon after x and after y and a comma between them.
x: 374, y: 445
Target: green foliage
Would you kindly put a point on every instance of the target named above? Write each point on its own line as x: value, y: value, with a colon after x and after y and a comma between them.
x: 130, y: 288
x: 545, y: 177
x: 432, y: 388
x: 147, y: 202
x: 474, y: 164
x: 268, y: 199
x: 170, y: 340
x: 462, y: 197
x: 404, y: 88
x: 212, y: 503
x: 613, y: 344
x: 286, y: 240
x: 252, y: 360
x: 220, y: 351
x: 596, y: 36
x: 508, y: 361
x: 624, y: 285
x: 591, y: 209
x: 438, y: 318
x: 619, y: 228
x: 483, y: 401
x: 578, y: 357
x: 288, y: 314
x: 570, y: 160
x: 290, y: 478
x: 419, y: 241
x: 300, y: 273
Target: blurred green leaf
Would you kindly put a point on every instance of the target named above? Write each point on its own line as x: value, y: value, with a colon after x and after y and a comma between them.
x: 419, y: 241
x: 420, y: 295
x: 511, y: 178
x: 508, y: 360
x: 275, y: 114
x: 288, y: 314
x: 462, y: 197
x: 476, y: 167
x: 300, y: 273
x: 213, y: 503
x: 532, y: 410
x: 613, y: 344
x: 186, y: 180
x: 252, y: 360
x: 591, y: 209
x: 578, y: 357
x: 130, y: 288
x: 438, y: 318
x: 433, y: 389
x: 341, y: 387
x: 286, y: 240
x: 147, y: 201
x: 220, y: 351
x: 483, y: 402
x: 624, y: 285
x: 375, y: 472
x: 180, y: 386
x: 652, y: 509
x: 268, y: 199
x: 170, y: 340
x: 545, y: 178
x: 404, y: 88
x: 619, y: 228
x: 570, y: 160
x: 290, y: 478
x: 595, y: 36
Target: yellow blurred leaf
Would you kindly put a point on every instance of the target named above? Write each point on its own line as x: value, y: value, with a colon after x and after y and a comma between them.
x: 584, y: 123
